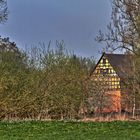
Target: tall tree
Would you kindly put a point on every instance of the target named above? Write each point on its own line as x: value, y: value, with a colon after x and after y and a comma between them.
x: 124, y: 33
x: 124, y: 29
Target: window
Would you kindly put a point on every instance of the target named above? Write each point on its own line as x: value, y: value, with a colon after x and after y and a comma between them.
x: 104, y: 71
x: 101, y: 71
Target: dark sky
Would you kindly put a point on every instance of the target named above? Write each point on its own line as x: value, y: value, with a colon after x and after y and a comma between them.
x: 77, y: 22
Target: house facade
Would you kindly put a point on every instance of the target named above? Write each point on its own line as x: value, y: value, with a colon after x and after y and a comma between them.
x: 111, y: 70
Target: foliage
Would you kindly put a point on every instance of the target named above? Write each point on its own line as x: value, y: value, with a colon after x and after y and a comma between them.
x: 64, y: 75
x: 16, y: 81
x: 41, y: 83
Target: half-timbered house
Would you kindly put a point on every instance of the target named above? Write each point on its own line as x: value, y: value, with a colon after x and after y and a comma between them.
x: 112, y: 69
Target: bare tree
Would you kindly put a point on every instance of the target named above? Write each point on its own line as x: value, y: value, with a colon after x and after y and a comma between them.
x: 124, y: 29
x: 124, y: 33
x: 98, y: 99
x: 3, y: 11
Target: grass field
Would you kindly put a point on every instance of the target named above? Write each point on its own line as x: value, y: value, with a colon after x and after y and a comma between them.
x: 37, y: 130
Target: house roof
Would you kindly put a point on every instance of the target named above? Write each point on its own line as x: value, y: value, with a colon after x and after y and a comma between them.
x: 121, y: 63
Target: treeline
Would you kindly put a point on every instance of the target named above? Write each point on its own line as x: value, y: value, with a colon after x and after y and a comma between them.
x: 41, y: 82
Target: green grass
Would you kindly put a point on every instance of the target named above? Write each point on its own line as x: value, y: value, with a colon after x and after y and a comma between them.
x: 57, y: 130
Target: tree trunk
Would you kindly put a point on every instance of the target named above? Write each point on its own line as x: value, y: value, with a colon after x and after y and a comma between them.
x: 134, y: 107
x: 134, y: 88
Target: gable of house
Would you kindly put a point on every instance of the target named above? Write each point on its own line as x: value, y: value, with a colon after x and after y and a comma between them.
x: 105, y: 72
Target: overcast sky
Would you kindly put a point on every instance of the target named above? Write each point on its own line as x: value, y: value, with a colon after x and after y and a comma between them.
x: 77, y: 22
